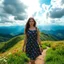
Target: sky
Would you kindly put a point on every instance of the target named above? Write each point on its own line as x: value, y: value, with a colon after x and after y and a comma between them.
x: 45, y: 12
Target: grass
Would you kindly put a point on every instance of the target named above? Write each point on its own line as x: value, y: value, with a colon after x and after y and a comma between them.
x: 17, y: 47
x: 15, y: 58
x: 55, y: 55
x: 14, y: 55
x: 10, y: 43
x: 18, y: 57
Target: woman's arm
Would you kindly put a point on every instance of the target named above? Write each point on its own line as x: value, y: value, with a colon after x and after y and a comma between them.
x: 39, y: 40
x: 25, y: 40
x: 38, y: 37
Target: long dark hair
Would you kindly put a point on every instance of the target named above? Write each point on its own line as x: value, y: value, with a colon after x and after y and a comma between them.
x: 27, y: 25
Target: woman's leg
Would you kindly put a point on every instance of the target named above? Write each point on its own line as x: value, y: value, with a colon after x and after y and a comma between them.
x: 32, y: 61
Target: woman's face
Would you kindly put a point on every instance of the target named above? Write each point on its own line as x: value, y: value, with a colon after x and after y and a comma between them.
x: 31, y: 22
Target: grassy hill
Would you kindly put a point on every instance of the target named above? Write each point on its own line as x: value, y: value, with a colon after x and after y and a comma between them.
x: 6, y: 37
x: 14, y: 55
x: 11, y: 51
x: 47, y: 37
x: 10, y: 43
x: 59, y: 34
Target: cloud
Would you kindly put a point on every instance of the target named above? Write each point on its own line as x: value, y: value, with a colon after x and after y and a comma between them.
x: 62, y: 2
x: 57, y: 9
x: 20, y: 17
x: 56, y: 13
x: 33, y: 6
x: 51, y: 14
x: 15, y: 8
x: 18, y: 11
x: 10, y: 8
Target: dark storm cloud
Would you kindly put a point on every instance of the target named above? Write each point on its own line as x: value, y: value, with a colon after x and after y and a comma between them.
x: 14, y: 8
x: 20, y: 17
x: 5, y: 19
x: 62, y: 2
x: 3, y: 16
x: 57, y: 13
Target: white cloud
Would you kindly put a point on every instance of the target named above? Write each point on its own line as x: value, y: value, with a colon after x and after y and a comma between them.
x: 45, y: 7
x: 10, y: 12
x: 53, y: 13
x: 41, y: 14
x: 56, y: 12
x: 33, y: 6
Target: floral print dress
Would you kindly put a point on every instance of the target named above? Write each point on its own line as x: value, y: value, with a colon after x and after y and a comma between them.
x: 32, y: 47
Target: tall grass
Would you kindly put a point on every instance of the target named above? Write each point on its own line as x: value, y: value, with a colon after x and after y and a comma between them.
x: 55, y: 55
x: 15, y: 58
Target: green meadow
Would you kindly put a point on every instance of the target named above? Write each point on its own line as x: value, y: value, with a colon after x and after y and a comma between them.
x: 11, y: 51
x: 55, y: 53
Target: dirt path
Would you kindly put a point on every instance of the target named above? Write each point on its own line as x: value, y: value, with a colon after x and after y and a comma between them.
x: 40, y: 59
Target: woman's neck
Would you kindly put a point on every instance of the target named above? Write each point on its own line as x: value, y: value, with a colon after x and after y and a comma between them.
x: 31, y: 26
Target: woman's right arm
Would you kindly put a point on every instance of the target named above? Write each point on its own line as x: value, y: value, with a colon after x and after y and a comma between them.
x: 25, y: 40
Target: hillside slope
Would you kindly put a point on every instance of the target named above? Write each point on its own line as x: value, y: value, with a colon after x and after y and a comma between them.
x: 10, y: 43
x: 47, y: 37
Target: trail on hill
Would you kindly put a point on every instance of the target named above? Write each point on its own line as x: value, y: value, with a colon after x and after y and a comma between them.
x: 40, y: 59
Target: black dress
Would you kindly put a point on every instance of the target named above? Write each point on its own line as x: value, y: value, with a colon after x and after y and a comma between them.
x: 32, y: 47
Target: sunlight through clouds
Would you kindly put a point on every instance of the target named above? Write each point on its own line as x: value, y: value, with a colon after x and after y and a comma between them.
x: 33, y: 6
x: 20, y: 10
x: 53, y: 13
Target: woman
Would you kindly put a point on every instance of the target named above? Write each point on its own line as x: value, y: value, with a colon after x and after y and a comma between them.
x: 32, y: 40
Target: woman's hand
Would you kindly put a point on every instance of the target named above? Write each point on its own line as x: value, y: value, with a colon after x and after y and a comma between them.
x: 23, y: 49
x: 41, y: 49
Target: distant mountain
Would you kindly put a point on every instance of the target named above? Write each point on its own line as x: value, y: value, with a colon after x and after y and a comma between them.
x: 15, y: 30
x: 47, y: 37
x: 6, y: 37
x: 53, y: 31
x: 8, y: 32
x: 59, y: 34
x: 51, y: 27
x: 11, y: 30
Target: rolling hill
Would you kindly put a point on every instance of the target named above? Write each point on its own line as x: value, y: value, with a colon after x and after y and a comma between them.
x: 47, y: 37
x: 10, y: 43
x: 59, y: 34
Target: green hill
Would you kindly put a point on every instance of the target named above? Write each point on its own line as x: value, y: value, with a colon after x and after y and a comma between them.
x: 47, y: 37
x: 10, y: 43
x: 4, y: 38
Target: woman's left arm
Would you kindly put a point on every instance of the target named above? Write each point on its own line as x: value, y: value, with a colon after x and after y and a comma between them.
x: 38, y: 37
x: 39, y: 40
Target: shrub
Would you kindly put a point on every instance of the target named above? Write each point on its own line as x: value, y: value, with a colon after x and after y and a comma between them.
x: 17, y: 58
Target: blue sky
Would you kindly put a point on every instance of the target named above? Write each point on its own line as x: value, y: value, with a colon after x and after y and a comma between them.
x: 45, y: 1
x: 45, y: 12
